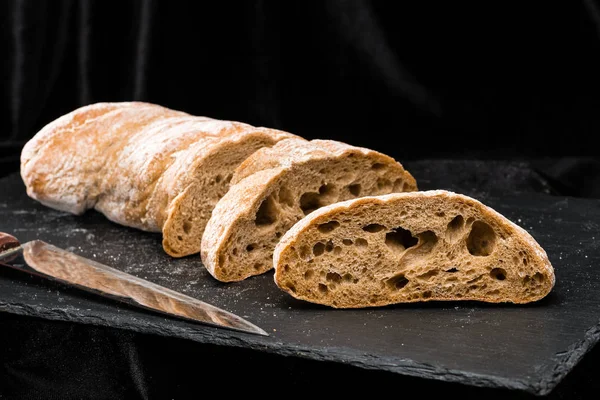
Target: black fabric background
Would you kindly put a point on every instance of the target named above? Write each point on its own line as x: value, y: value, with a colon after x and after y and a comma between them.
x: 416, y: 79
x: 509, y: 81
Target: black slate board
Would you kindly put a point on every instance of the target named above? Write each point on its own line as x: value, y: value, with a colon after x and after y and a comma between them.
x: 528, y: 347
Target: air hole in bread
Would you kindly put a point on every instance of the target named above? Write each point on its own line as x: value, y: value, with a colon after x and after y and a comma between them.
x: 384, y: 185
x: 337, y: 250
x: 218, y: 178
x: 525, y: 261
x: 327, y: 189
x: 187, y: 225
x: 355, y: 189
x: 428, y: 275
x: 318, y: 249
x: 286, y: 268
x: 427, y: 240
x: 329, y: 246
x: 348, y: 277
x: 398, y: 185
x: 323, y: 288
x: 347, y: 242
x: 328, y: 226
x: 333, y: 277
x: 481, y: 240
x: 373, y: 228
x: 360, y: 242
x: 309, y: 202
x: 258, y: 266
x: 286, y: 197
x: 397, y: 281
x: 455, y: 228
x: 308, y: 274
x: 400, y: 239
x: 234, y: 251
x: 378, y: 166
x: 267, y: 212
x: 538, y: 277
x: 452, y: 270
x: 291, y: 286
x: 277, y: 235
x: 498, y: 274
x: 440, y: 214
x: 427, y: 294
x: 250, y: 247
x: 303, y: 252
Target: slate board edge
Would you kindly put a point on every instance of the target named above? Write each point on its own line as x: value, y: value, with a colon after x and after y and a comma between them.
x: 554, y: 372
x: 566, y: 360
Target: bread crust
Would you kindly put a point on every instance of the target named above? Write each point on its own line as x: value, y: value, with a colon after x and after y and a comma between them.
x: 132, y: 161
x: 293, y: 151
x: 511, y: 286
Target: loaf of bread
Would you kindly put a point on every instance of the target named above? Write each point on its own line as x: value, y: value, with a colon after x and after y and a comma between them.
x: 276, y: 187
x: 409, y: 247
x: 141, y: 165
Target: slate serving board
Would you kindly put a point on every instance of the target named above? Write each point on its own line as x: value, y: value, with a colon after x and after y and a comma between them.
x: 528, y: 348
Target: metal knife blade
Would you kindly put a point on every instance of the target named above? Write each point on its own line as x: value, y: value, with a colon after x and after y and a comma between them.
x: 42, y: 259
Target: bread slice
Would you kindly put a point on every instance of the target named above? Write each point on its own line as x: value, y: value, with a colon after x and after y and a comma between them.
x: 276, y: 187
x: 196, y: 181
x: 141, y: 165
x: 409, y: 247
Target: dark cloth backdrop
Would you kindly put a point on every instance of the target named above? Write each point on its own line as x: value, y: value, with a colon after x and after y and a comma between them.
x: 509, y: 81
x: 418, y: 80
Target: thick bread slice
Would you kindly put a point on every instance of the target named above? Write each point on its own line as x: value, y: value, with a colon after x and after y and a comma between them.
x: 408, y: 247
x: 141, y: 165
x: 248, y: 221
x: 198, y: 179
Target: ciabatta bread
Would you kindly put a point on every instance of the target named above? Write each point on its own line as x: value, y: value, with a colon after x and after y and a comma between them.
x: 276, y: 187
x: 141, y: 165
x: 408, y: 247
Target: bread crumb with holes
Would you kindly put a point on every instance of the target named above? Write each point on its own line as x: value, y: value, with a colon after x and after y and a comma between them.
x: 410, y: 247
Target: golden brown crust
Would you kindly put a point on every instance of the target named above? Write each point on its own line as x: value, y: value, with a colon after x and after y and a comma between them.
x: 63, y: 166
x: 131, y: 160
x: 297, y: 150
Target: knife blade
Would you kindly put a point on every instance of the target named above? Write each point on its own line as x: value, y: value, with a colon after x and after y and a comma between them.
x: 45, y: 260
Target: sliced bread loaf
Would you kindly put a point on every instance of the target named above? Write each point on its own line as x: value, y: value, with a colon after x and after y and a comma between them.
x: 408, y: 247
x: 141, y: 165
x: 274, y: 188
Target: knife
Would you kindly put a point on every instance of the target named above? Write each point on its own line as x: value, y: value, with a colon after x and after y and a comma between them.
x: 45, y: 260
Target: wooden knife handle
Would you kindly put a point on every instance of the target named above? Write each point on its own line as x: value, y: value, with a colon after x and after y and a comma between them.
x: 8, y: 242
